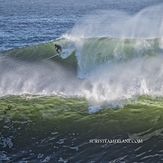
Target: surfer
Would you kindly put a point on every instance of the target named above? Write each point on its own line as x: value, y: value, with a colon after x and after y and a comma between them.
x: 9, y: 108
x: 58, y: 48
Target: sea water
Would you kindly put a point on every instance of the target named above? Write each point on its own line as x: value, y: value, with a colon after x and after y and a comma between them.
x: 99, y: 100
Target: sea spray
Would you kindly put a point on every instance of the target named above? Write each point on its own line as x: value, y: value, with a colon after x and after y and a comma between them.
x: 147, y: 23
x: 44, y: 77
x: 119, y: 54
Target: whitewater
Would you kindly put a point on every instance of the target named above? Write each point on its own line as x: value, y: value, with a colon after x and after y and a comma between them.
x: 103, y: 69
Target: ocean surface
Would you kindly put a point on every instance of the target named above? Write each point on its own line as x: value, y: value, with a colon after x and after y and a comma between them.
x: 99, y: 100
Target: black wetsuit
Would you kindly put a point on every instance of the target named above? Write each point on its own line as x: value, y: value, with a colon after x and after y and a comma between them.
x: 58, y: 48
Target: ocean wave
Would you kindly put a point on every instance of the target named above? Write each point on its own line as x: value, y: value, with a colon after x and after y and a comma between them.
x: 89, y: 52
x: 103, y: 70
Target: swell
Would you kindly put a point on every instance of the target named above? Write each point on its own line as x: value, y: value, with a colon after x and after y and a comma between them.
x: 63, y: 125
x: 135, y: 117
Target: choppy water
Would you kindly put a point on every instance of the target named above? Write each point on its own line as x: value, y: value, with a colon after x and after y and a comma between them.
x: 99, y: 100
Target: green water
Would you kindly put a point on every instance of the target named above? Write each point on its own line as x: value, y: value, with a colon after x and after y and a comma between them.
x: 56, y: 124
x: 137, y: 116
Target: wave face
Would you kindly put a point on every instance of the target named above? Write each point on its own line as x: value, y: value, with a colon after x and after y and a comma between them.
x: 98, y: 51
x: 103, y: 70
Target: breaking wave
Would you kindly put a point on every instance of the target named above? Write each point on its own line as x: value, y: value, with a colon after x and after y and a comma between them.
x: 103, y: 70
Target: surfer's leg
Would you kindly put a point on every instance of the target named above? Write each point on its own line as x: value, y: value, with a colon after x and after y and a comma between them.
x: 57, y: 50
